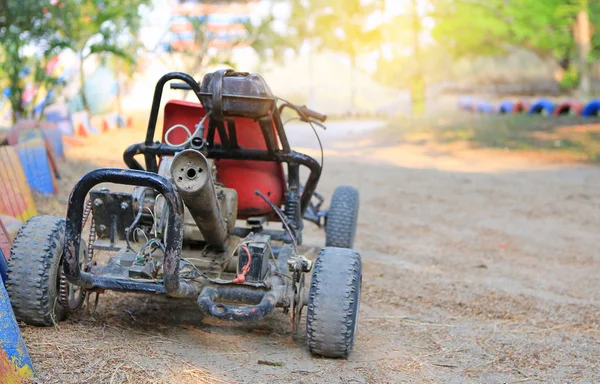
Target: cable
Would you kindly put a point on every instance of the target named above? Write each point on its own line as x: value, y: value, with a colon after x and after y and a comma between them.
x: 281, y: 217
x: 190, y: 136
x: 320, y: 144
x: 150, y: 242
x: 202, y: 274
x: 138, y: 230
x: 241, y: 277
x: 187, y: 132
x: 136, y: 220
x: 314, y: 130
x: 153, y: 220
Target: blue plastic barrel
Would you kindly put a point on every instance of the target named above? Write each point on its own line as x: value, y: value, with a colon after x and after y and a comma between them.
x: 591, y: 109
x: 542, y: 106
x: 465, y: 103
x: 506, y: 107
x: 485, y: 107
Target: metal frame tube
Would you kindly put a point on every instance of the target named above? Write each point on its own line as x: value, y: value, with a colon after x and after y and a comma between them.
x: 174, y: 233
x: 292, y: 157
x: 209, y: 295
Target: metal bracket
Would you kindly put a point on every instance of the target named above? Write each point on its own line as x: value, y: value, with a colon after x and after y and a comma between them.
x: 113, y: 213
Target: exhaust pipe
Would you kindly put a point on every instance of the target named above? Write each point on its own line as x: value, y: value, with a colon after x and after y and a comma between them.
x: 191, y: 174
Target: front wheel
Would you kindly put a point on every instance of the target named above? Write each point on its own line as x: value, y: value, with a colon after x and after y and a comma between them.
x: 333, y: 302
x: 33, y: 271
x: 342, y: 216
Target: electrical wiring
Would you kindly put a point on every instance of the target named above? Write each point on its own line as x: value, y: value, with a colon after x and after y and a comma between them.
x: 281, y: 217
x: 190, y: 136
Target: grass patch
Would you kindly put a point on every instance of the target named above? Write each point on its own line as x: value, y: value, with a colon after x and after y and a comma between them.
x: 572, y: 134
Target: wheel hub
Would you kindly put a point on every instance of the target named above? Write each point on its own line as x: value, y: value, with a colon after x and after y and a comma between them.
x: 297, y: 304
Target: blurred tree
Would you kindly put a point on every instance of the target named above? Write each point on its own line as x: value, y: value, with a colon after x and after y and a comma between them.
x: 341, y: 26
x: 475, y: 28
x: 582, y: 35
x: 193, y: 55
x: 207, y: 47
x: 301, y: 27
x: 23, y: 25
x: 90, y: 27
x: 124, y: 68
x: 417, y: 83
x: 264, y: 40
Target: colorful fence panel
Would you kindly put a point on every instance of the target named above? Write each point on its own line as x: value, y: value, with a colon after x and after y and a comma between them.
x: 38, y: 134
x: 37, y: 166
x: 15, y: 195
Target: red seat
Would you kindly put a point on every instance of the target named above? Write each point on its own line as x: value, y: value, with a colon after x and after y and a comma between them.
x: 245, y: 176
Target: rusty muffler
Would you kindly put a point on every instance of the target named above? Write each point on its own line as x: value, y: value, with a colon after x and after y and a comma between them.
x: 191, y: 174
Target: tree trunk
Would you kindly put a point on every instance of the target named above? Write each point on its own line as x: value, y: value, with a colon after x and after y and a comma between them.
x: 84, y: 99
x: 119, y: 102
x: 583, y: 36
x: 417, y: 82
x: 353, y: 85
x: 16, y: 103
x: 16, y: 91
x: 311, y: 75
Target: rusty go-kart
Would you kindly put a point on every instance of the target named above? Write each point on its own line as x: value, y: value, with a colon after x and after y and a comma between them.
x: 195, y: 224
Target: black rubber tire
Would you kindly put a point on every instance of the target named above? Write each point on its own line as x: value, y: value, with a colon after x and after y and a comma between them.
x: 32, y: 282
x: 333, y: 302
x: 341, y: 219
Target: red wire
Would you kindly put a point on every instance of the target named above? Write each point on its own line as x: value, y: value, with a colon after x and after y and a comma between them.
x: 241, y: 277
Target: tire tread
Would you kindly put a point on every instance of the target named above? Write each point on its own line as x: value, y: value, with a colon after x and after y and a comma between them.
x: 340, y: 227
x: 333, y: 302
x: 34, y: 259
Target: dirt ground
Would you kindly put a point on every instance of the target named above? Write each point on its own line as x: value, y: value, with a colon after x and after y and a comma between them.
x: 479, y: 267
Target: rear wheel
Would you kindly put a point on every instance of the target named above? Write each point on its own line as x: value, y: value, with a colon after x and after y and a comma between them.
x: 33, y: 271
x: 333, y: 302
x: 340, y: 223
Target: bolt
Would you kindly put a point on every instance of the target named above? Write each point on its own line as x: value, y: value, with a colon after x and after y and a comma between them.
x: 98, y: 202
x: 124, y: 206
x: 292, y: 265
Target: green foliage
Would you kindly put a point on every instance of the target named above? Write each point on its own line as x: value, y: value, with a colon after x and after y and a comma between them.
x: 195, y: 55
x: 339, y: 26
x: 470, y: 27
x: 475, y: 28
x: 91, y: 27
x: 22, y: 23
x: 570, y: 78
x: 264, y: 40
x: 33, y: 31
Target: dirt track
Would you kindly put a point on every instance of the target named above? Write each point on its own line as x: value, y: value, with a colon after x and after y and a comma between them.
x: 475, y: 270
